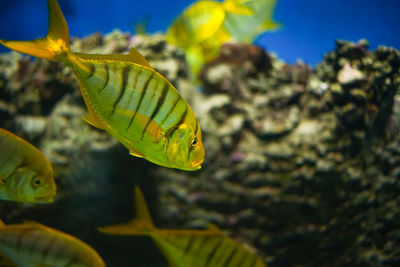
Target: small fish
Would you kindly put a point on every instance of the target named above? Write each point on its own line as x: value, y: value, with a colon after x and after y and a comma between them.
x: 127, y: 98
x: 200, y: 32
x: 33, y: 244
x: 25, y: 174
x: 187, y: 248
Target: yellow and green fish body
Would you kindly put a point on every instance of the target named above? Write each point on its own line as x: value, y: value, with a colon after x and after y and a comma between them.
x: 187, y: 248
x: 200, y: 32
x: 36, y: 245
x: 205, y: 25
x: 200, y: 21
x: 126, y: 97
x: 25, y: 174
x: 141, y: 109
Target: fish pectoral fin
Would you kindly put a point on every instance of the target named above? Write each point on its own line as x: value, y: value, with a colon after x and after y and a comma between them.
x: 92, y: 120
x: 135, y: 153
x: 137, y: 58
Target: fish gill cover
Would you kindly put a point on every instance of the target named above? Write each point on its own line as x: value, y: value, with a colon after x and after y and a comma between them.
x: 302, y: 163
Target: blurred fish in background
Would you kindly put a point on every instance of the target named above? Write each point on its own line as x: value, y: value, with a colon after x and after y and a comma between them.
x: 25, y: 174
x: 33, y: 244
x: 204, y: 26
x: 184, y: 248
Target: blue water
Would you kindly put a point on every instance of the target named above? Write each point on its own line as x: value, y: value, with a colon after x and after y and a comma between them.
x: 310, y: 26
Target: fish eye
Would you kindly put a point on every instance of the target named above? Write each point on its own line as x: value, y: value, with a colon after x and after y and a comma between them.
x: 37, y: 181
x: 194, y: 141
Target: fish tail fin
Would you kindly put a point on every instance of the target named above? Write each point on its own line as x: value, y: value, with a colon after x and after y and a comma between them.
x: 141, y: 225
x: 237, y: 7
x: 55, y: 46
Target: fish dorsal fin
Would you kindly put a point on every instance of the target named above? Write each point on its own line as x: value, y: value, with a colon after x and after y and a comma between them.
x: 142, y: 224
x: 142, y: 211
x: 137, y: 58
x: 212, y: 227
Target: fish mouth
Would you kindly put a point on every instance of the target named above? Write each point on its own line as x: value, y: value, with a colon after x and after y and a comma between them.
x: 196, y: 165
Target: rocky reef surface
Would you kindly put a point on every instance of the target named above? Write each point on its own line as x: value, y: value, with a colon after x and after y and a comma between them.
x: 303, y: 165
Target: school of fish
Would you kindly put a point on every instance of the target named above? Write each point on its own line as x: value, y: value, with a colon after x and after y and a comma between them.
x: 140, y: 108
x: 205, y: 25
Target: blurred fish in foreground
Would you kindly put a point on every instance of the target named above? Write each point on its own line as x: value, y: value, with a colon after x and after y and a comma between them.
x: 126, y: 97
x: 25, y: 174
x: 204, y: 26
x: 183, y: 248
x: 32, y: 244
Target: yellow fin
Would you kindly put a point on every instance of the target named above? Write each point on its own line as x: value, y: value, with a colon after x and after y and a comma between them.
x: 92, y: 120
x: 135, y: 153
x: 138, y: 58
x: 141, y: 225
x: 54, y: 46
x: 2, y: 224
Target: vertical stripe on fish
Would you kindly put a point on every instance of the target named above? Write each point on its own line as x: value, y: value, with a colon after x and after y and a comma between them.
x: 136, y: 91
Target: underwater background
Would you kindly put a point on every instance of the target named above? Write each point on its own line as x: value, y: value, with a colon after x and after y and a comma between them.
x: 309, y: 27
x: 302, y: 161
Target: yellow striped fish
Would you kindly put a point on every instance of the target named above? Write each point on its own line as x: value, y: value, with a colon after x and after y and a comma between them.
x: 35, y: 245
x: 187, y: 248
x: 199, y: 29
x: 25, y: 174
x: 126, y: 97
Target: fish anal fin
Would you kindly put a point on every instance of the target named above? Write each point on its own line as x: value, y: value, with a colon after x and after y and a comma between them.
x: 137, y: 58
x: 92, y: 120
